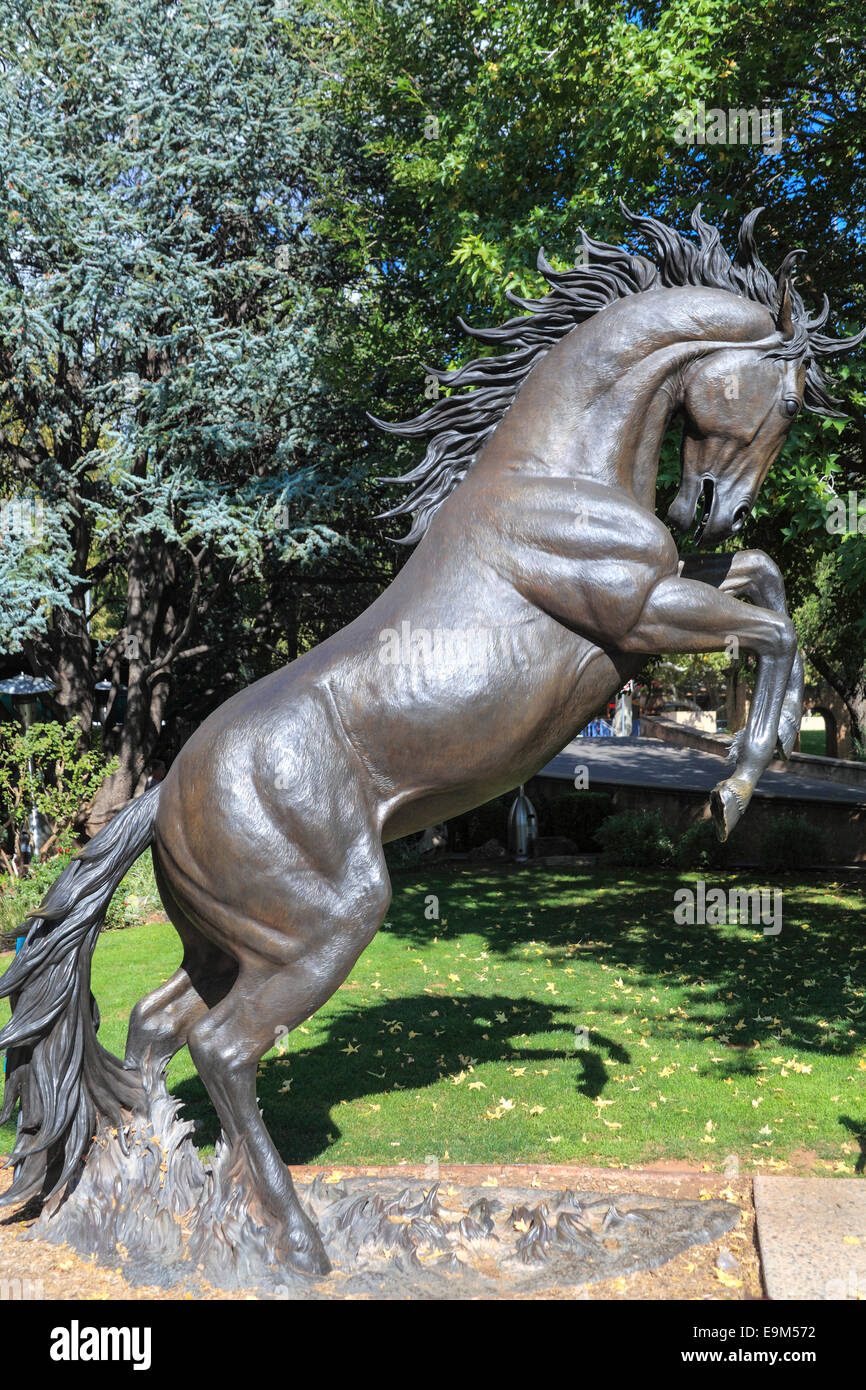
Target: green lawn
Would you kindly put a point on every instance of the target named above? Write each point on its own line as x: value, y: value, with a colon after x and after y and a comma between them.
x: 813, y: 741
x: 456, y: 1038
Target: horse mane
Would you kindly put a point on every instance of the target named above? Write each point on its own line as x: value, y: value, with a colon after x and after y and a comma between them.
x: 459, y: 425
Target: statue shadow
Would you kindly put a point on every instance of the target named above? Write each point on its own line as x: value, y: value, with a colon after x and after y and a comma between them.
x: 857, y: 1130
x: 368, y: 1052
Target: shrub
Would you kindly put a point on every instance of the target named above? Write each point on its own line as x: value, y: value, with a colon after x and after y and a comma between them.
x: 699, y: 847
x: 486, y: 822
x: 403, y: 853
x: 18, y: 896
x: 637, y: 839
x: 65, y: 784
x: 136, y: 897
x: 791, y: 842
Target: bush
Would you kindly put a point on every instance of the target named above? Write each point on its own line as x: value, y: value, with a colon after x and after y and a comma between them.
x: 792, y: 842
x: 636, y: 839
x: 65, y: 784
x: 18, y: 896
x: 476, y: 827
x: 403, y: 853
x: 700, y: 847
x: 136, y: 897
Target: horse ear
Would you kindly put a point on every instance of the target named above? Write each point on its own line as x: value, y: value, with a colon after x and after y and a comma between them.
x: 784, y: 314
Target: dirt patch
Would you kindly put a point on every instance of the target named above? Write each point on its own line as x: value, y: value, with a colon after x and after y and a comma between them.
x: 804, y: 1159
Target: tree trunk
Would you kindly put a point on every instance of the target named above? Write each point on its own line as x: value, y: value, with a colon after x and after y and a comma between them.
x: 150, y: 567
x: 63, y: 651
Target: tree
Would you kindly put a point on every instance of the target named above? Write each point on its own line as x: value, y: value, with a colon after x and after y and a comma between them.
x: 488, y: 129
x: 231, y: 228
x: 162, y: 298
x: 42, y: 769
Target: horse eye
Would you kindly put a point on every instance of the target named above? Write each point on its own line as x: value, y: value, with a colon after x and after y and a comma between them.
x: 791, y: 408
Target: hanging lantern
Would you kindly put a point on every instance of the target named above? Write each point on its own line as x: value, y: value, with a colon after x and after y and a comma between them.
x: 522, y: 827
x: 623, y: 719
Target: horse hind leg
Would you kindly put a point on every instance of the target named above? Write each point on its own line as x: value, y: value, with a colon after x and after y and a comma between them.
x: 253, y: 1192
x: 159, y: 1024
x: 140, y: 1181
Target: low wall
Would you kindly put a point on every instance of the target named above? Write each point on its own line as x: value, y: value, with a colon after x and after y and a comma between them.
x: 842, y: 770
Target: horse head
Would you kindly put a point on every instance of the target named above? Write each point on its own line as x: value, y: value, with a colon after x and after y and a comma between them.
x: 738, y: 405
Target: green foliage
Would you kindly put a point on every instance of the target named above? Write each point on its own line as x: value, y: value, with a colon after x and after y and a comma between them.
x: 488, y: 130
x: 157, y: 257
x: 61, y: 787
x: 165, y: 319
x: 792, y: 842
x: 831, y: 624
x: 136, y: 898
x: 18, y: 896
x: 637, y: 839
x: 699, y: 847
x: 230, y: 229
x: 403, y: 853
x: 486, y: 822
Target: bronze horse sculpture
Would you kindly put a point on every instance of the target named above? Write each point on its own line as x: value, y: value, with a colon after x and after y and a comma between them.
x: 535, y: 526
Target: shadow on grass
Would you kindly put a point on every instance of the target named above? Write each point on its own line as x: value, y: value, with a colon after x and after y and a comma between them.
x: 344, y: 1066
x: 802, y: 990
x: 798, y: 993
x: 857, y: 1130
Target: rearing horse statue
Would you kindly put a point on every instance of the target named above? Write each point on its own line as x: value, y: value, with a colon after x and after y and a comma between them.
x: 536, y: 532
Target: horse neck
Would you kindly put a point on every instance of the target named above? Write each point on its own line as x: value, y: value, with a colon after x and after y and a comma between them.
x: 598, y: 404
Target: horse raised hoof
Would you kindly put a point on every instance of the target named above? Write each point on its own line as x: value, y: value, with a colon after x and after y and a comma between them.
x: 726, y: 806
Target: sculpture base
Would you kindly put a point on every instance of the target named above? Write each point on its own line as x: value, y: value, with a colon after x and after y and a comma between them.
x: 130, y: 1204
x: 152, y: 1209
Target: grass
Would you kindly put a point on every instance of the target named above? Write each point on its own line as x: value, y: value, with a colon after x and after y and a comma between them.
x: 813, y: 741
x: 456, y: 1037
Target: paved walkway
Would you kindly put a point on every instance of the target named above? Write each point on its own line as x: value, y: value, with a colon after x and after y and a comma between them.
x: 647, y: 762
x: 812, y: 1237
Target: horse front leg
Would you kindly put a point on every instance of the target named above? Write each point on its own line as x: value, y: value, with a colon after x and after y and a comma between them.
x: 685, y: 615
x: 752, y: 574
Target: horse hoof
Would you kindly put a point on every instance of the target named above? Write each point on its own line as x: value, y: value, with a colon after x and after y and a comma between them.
x: 311, y: 1260
x: 726, y: 809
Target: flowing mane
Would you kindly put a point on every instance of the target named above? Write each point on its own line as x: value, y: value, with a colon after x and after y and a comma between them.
x: 459, y: 425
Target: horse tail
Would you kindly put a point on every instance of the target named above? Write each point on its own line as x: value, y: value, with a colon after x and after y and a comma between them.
x: 55, y: 1066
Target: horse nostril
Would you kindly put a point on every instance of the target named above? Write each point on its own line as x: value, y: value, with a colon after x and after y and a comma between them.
x: 740, y: 517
